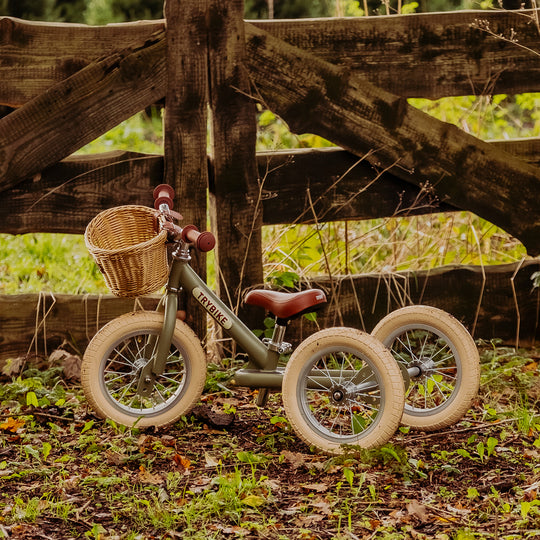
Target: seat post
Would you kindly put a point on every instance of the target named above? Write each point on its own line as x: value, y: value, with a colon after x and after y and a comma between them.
x: 276, y: 342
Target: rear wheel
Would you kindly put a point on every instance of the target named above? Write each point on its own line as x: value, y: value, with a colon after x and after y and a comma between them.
x: 113, y: 362
x: 442, y: 362
x: 342, y: 388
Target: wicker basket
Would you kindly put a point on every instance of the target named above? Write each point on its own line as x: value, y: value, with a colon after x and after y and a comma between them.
x: 129, y: 252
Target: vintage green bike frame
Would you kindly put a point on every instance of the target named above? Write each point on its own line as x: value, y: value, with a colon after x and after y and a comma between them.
x: 260, y: 371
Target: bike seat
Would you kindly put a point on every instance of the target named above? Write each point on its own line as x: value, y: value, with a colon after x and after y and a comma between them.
x: 286, y: 305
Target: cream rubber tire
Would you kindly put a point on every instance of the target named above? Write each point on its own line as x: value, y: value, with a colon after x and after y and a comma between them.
x: 342, y: 388
x: 433, y: 342
x: 114, y: 358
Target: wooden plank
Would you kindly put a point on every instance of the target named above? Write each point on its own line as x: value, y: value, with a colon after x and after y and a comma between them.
x: 77, y: 110
x: 315, y: 96
x: 236, y: 212
x: 340, y: 184
x: 66, y: 196
x: 35, y: 55
x: 428, y: 55
x: 422, y: 55
x: 186, y: 121
x: 331, y: 184
x: 38, y: 323
x: 493, y: 302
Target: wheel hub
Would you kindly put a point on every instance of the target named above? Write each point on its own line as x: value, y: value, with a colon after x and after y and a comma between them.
x: 425, y: 366
x: 339, y: 394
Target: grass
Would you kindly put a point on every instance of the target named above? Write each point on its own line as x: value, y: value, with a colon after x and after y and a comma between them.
x: 66, y: 474
x: 61, y: 263
x: 387, y: 245
x: 47, y: 262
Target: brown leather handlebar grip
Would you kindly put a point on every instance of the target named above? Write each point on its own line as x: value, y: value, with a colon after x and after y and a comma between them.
x: 163, y: 194
x: 203, y: 241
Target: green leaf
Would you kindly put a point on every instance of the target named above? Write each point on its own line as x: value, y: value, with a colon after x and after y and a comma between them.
x: 250, y: 457
x: 87, y: 426
x: 46, y: 450
x: 525, y: 508
x: 491, y: 444
x: 266, y: 118
x: 269, y: 322
x: 31, y: 399
x: 411, y: 7
x: 253, y: 500
x: 349, y: 475
x: 29, y: 451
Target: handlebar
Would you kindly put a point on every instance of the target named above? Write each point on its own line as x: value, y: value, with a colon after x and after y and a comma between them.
x: 163, y: 194
x: 205, y: 241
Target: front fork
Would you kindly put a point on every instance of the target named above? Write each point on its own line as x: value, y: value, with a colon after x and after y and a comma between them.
x: 157, y: 349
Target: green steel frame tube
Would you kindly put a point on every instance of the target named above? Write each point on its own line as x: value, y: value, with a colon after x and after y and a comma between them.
x: 182, y: 275
x: 165, y: 338
x: 258, y: 353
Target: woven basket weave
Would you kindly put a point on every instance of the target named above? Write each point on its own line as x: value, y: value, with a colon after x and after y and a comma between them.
x: 129, y: 252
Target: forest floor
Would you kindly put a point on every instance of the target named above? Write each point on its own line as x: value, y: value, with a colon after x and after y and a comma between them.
x: 66, y: 474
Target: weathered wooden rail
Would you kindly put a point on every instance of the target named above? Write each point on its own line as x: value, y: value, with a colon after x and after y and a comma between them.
x: 345, y: 79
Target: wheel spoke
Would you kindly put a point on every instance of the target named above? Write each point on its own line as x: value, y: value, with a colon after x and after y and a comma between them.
x: 129, y: 354
x: 356, y: 412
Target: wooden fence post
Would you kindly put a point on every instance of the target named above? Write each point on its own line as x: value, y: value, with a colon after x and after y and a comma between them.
x: 186, y: 122
x: 235, y: 193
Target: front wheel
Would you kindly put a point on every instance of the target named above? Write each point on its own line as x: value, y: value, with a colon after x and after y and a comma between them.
x: 342, y: 388
x: 442, y: 362
x: 113, y: 362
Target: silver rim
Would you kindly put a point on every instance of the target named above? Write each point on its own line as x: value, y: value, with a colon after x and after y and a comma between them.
x: 120, y: 371
x: 438, y: 367
x: 348, y: 406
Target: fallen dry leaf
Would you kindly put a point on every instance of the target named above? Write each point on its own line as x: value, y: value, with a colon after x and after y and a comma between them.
x: 72, y: 367
x: 418, y: 510
x: 12, y: 424
x: 13, y: 366
x: 294, y: 458
x: 182, y: 462
x: 210, y: 461
x: 70, y: 363
x: 319, y: 488
x: 146, y: 477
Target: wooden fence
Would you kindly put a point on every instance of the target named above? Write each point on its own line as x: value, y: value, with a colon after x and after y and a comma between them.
x: 62, y: 85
